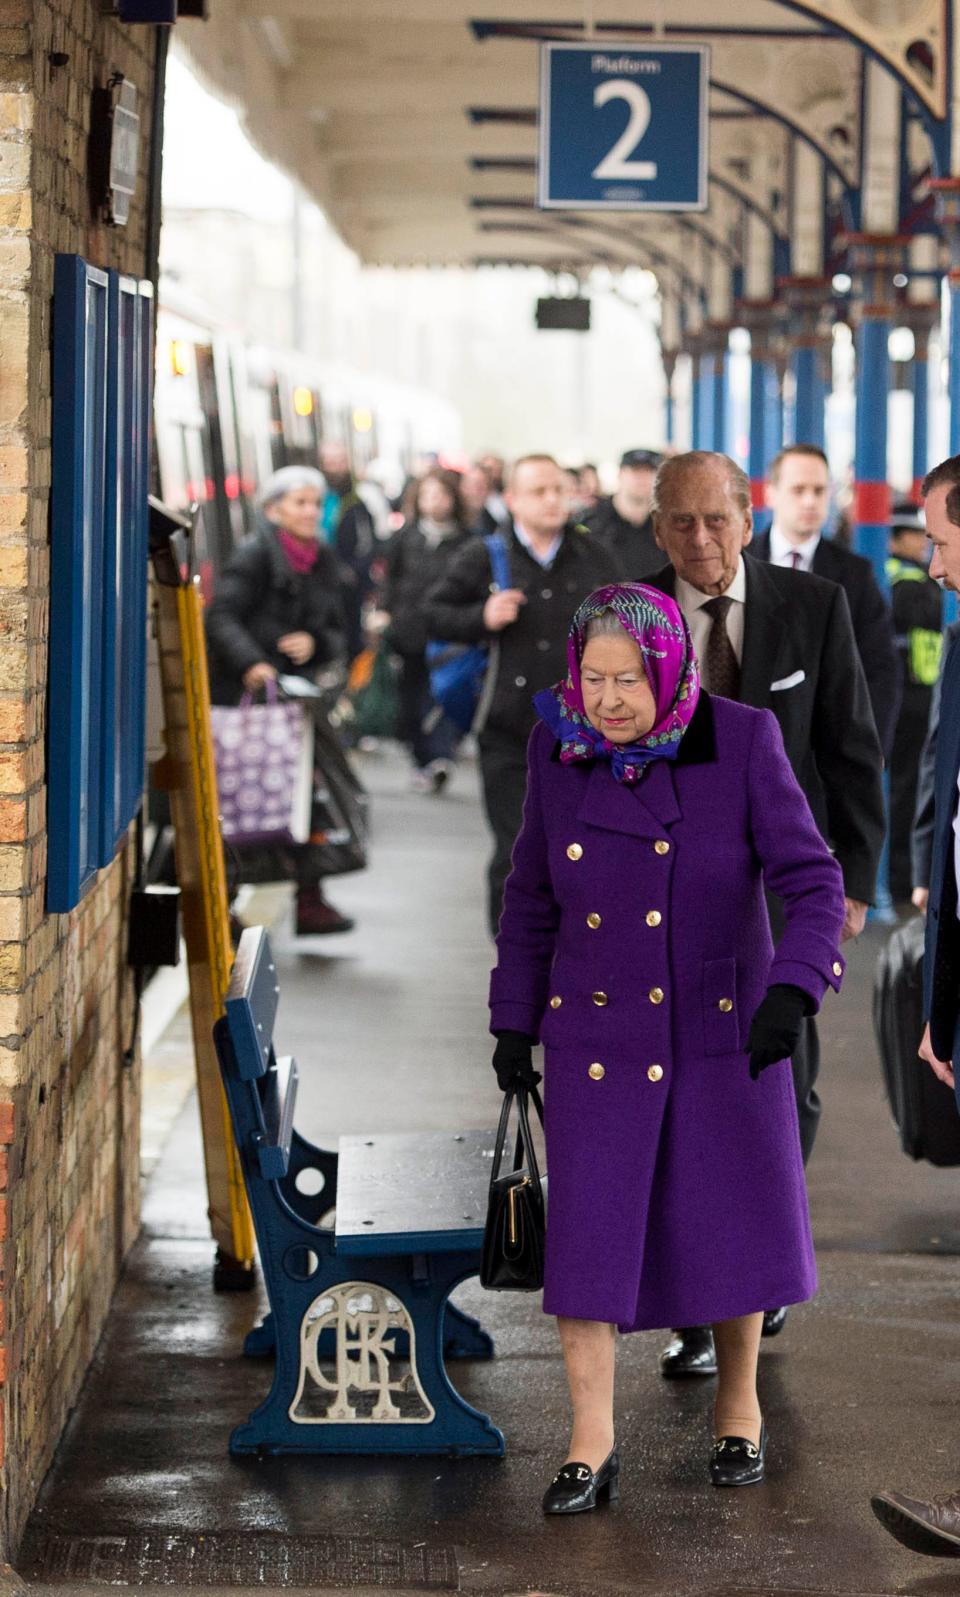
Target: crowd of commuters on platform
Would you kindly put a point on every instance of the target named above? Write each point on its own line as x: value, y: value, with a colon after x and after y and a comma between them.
x: 682, y: 739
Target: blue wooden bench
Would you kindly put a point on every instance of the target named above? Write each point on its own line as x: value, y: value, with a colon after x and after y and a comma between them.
x: 359, y: 1321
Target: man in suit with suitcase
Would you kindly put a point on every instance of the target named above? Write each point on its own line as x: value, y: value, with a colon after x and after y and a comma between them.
x: 798, y: 493
x: 782, y: 640
x: 933, y: 1526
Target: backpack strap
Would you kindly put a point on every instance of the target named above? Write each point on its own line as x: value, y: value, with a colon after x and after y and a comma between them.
x: 499, y: 559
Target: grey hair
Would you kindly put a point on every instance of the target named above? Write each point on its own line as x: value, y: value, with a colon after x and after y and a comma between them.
x: 290, y: 480
x: 605, y: 624
x: 737, y: 480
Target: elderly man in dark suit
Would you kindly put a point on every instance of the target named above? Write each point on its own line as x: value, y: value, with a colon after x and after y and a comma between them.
x: 780, y: 640
x: 798, y: 493
x: 922, y: 1525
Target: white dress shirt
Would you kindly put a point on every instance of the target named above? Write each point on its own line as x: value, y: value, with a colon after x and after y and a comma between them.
x: 692, y: 601
x: 543, y: 557
x: 782, y: 550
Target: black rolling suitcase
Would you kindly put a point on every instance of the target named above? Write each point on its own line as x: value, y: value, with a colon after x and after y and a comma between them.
x: 924, y: 1109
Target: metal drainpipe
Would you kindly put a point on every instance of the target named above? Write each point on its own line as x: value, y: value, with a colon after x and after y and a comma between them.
x: 151, y: 265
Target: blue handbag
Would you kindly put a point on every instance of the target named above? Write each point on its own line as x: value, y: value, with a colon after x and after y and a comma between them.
x: 457, y: 670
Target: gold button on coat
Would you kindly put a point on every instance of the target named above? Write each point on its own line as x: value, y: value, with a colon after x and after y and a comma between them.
x: 655, y: 1073
x: 593, y: 921
x: 596, y: 1072
x: 656, y: 995
x: 600, y: 999
x: 726, y: 1004
x: 556, y: 1001
x: 662, y: 846
x: 574, y: 851
x: 654, y: 917
x: 837, y: 968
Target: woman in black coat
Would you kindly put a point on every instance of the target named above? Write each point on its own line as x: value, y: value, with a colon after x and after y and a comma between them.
x: 416, y: 560
x: 277, y: 611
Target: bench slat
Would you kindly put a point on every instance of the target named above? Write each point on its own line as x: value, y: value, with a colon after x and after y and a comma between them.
x: 251, y: 1003
x: 424, y: 1192
x: 278, y: 1097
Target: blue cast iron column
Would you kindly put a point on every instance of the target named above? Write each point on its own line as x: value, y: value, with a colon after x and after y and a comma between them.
x: 719, y: 340
x: 704, y: 436
x: 696, y: 392
x: 805, y: 299
x: 759, y: 319
x: 669, y: 408
x: 921, y: 317
x: 875, y: 259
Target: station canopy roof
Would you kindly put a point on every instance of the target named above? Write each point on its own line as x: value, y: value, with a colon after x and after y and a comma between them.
x: 414, y: 122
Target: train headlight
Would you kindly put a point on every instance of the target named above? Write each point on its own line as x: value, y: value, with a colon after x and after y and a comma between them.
x: 362, y: 420
x: 303, y: 401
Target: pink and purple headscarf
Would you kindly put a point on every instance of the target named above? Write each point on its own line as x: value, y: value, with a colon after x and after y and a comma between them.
x: 655, y: 622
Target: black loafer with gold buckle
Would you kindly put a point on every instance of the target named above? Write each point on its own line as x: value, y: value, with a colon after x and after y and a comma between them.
x: 737, y: 1462
x: 577, y: 1488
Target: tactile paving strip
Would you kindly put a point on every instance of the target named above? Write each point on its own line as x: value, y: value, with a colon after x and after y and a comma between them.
x: 194, y: 1560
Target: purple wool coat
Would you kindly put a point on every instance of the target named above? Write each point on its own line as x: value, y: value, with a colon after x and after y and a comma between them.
x: 635, y: 943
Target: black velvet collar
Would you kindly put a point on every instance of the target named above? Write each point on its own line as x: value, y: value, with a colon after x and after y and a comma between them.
x: 698, y: 746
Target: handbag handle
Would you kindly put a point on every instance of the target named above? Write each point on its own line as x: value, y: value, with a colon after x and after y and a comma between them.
x: 524, y: 1147
x: 271, y: 693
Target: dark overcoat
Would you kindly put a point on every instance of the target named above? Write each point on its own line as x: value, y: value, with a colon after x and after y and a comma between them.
x: 258, y: 599
x: 635, y: 944
x: 872, y: 624
x: 941, y: 960
x: 800, y: 661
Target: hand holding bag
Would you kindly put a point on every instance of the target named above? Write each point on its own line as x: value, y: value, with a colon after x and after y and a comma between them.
x: 516, y: 1228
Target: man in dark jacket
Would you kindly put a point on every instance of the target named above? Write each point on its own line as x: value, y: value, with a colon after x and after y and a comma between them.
x: 554, y: 565
x: 925, y: 1525
x: 798, y: 493
x: 778, y: 640
x: 624, y: 521
x: 917, y: 605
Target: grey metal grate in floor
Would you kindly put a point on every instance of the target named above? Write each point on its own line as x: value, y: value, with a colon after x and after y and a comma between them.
x: 188, y: 1560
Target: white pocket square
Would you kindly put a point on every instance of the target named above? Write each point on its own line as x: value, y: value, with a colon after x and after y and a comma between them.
x: 792, y: 681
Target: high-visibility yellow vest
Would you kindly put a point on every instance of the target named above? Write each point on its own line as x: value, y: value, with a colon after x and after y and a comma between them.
x: 923, y: 647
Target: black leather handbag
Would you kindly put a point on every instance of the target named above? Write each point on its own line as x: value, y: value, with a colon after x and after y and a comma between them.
x: 516, y: 1228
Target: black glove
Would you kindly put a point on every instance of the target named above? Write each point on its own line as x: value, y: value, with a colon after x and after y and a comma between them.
x: 775, y: 1028
x: 513, y: 1060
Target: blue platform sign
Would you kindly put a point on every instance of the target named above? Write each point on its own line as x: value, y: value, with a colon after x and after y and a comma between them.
x: 623, y: 129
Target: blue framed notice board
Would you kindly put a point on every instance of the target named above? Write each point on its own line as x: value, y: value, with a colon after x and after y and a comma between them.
x: 102, y: 369
x: 623, y: 127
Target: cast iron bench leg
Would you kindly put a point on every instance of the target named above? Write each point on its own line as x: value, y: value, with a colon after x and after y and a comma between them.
x: 419, y: 1287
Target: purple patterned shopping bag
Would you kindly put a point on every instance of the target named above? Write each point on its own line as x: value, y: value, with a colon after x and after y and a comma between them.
x: 264, y: 757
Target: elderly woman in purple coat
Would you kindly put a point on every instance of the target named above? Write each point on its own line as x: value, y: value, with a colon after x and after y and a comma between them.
x: 635, y: 945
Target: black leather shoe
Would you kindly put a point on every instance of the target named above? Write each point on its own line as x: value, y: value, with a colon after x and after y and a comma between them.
x: 736, y: 1462
x: 576, y: 1488
x: 774, y: 1321
x: 691, y: 1352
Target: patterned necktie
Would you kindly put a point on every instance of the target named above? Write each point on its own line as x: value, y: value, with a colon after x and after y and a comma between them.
x: 723, y: 668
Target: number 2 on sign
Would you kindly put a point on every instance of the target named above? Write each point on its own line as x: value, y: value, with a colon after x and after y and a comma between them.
x: 615, y: 163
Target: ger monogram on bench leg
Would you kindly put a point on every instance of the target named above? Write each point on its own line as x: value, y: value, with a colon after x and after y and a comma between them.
x: 359, y: 1320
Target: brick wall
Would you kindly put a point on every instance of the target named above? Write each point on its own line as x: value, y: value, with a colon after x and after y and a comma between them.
x: 69, y: 1109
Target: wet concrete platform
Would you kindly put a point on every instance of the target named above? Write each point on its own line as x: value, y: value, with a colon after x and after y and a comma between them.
x: 862, y: 1388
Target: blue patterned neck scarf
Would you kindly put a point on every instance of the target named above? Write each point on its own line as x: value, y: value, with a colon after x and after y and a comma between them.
x: 656, y: 624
